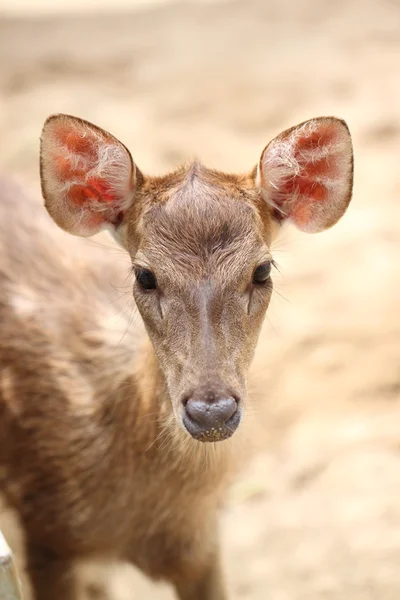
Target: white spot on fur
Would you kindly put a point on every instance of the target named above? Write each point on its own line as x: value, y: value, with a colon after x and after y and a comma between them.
x: 7, y: 383
x: 5, y: 550
x: 11, y: 527
x: 117, y: 580
x: 22, y: 305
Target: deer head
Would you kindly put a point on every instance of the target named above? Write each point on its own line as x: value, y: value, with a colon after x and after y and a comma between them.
x: 199, y: 241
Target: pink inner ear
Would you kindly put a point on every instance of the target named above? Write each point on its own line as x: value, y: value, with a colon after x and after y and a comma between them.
x: 87, y: 175
x: 75, y: 167
x: 93, y: 188
x: 81, y: 194
x: 76, y: 142
x: 96, y: 189
x: 65, y: 170
x: 103, y: 188
x: 316, y: 169
x: 322, y: 137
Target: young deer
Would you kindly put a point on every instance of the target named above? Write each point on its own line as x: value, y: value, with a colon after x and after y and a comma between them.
x: 95, y: 426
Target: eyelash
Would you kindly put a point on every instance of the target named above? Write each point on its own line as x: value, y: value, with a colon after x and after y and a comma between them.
x: 150, y: 283
x: 145, y: 279
x: 267, y: 265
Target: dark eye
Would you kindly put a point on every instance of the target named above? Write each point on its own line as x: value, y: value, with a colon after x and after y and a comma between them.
x: 262, y: 273
x: 145, y: 278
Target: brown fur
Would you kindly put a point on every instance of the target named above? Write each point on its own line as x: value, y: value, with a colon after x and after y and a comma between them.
x: 93, y: 454
x: 91, y: 459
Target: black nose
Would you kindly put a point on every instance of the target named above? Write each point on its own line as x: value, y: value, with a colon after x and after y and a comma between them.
x: 211, y: 414
x: 209, y: 417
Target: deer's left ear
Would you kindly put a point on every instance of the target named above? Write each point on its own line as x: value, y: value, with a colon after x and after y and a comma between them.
x: 306, y: 173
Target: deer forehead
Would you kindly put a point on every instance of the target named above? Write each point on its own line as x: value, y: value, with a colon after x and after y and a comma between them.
x: 198, y: 215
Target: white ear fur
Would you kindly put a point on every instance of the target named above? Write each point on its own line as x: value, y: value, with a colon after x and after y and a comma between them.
x: 87, y: 175
x: 306, y: 173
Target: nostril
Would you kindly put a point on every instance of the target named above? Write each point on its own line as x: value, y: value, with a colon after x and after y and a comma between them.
x: 211, y: 414
x: 227, y: 407
x: 185, y: 400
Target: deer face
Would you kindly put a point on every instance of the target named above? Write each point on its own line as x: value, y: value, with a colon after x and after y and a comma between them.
x: 199, y: 241
x: 201, y: 258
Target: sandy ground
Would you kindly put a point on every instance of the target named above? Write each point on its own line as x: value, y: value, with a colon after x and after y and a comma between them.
x: 316, y: 514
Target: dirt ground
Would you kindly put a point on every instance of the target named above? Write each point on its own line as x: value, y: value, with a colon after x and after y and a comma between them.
x: 317, y: 513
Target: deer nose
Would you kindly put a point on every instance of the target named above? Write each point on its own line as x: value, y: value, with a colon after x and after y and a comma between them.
x: 207, y: 414
x: 208, y: 417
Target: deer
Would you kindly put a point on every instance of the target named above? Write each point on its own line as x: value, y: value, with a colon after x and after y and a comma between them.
x: 122, y: 447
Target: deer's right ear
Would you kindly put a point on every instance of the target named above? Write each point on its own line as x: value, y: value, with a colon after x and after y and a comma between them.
x: 88, y: 177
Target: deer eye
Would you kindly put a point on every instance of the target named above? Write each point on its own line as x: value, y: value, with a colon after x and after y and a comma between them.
x: 262, y: 273
x: 145, y: 278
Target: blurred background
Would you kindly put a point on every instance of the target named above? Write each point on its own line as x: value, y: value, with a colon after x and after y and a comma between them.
x: 316, y: 513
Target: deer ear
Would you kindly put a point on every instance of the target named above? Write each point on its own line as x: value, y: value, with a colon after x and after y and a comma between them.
x: 306, y: 173
x: 88, y: 177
